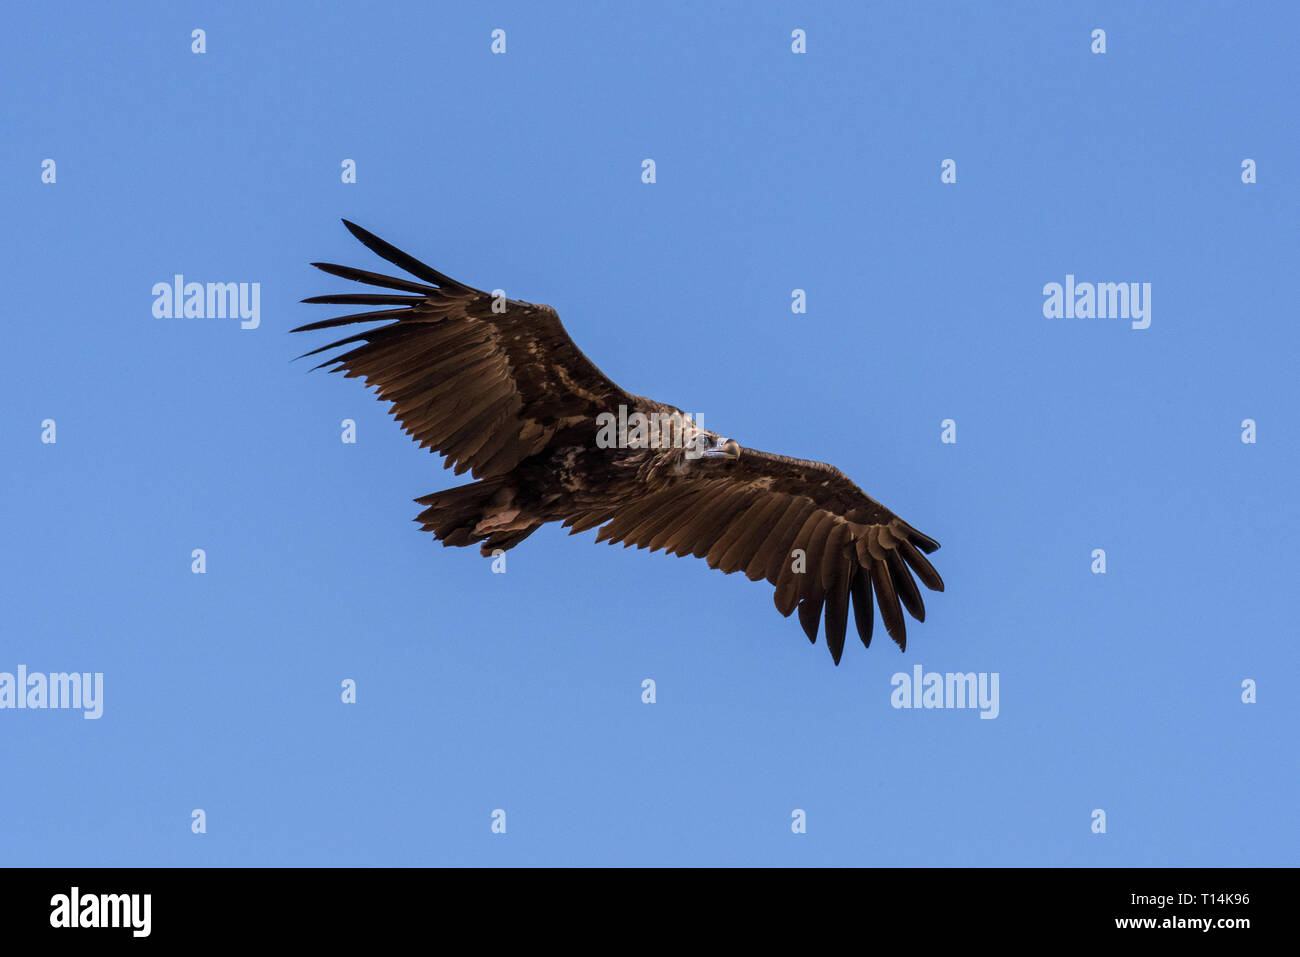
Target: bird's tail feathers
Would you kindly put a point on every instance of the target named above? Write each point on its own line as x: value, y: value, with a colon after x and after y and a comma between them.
x: 484, y: 511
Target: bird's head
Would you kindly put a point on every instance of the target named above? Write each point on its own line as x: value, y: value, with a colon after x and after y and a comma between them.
x: 722, y: 448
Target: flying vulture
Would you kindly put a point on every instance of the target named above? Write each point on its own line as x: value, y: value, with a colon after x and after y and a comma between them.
x: 498, y: 388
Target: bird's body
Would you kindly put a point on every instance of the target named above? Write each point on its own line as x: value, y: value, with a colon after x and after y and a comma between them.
x: 499, y: 388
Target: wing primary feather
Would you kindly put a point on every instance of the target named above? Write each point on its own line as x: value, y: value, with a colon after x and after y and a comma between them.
x: 364, y: 299
x: 833, y: 558
x: 921, y: 565
x: 905, y: 586
x: 863, y: 613
x: 890, y: 613
x: 787, y: 583
x: 920, y: 540
x: 815, y: 552
x: 810, y: 613
x: 837, y: 607
x: 403, y: 260
x: 376, y: 316
x: 374, y: 278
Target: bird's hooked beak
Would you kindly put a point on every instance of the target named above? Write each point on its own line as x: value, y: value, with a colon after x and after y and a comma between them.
x: 724, y: 449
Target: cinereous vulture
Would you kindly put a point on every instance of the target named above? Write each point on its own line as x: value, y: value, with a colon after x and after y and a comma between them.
x: 498, y: 388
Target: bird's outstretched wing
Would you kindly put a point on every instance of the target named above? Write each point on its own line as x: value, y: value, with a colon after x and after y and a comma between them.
x: 802, y: 525
x: 484, y: 380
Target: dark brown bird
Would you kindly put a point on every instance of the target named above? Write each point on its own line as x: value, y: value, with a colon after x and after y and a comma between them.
x: 497, y: 387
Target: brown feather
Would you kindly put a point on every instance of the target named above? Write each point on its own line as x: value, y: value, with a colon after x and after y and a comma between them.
x: 921, y: 565
x: 775, y: 551
x: 810, y: 613
x: 744, y: 549
x: 905, y: 586
x: 863, y: 613
x: 887, y: 599
x: 837, y: 605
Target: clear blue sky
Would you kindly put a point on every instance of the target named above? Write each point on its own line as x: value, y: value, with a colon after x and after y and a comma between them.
x: 775, y: 171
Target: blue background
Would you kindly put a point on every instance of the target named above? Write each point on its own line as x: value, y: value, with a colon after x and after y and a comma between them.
x: 775, y: 171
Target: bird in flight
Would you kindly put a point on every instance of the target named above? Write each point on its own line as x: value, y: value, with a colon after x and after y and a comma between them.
x: 499, y: 389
